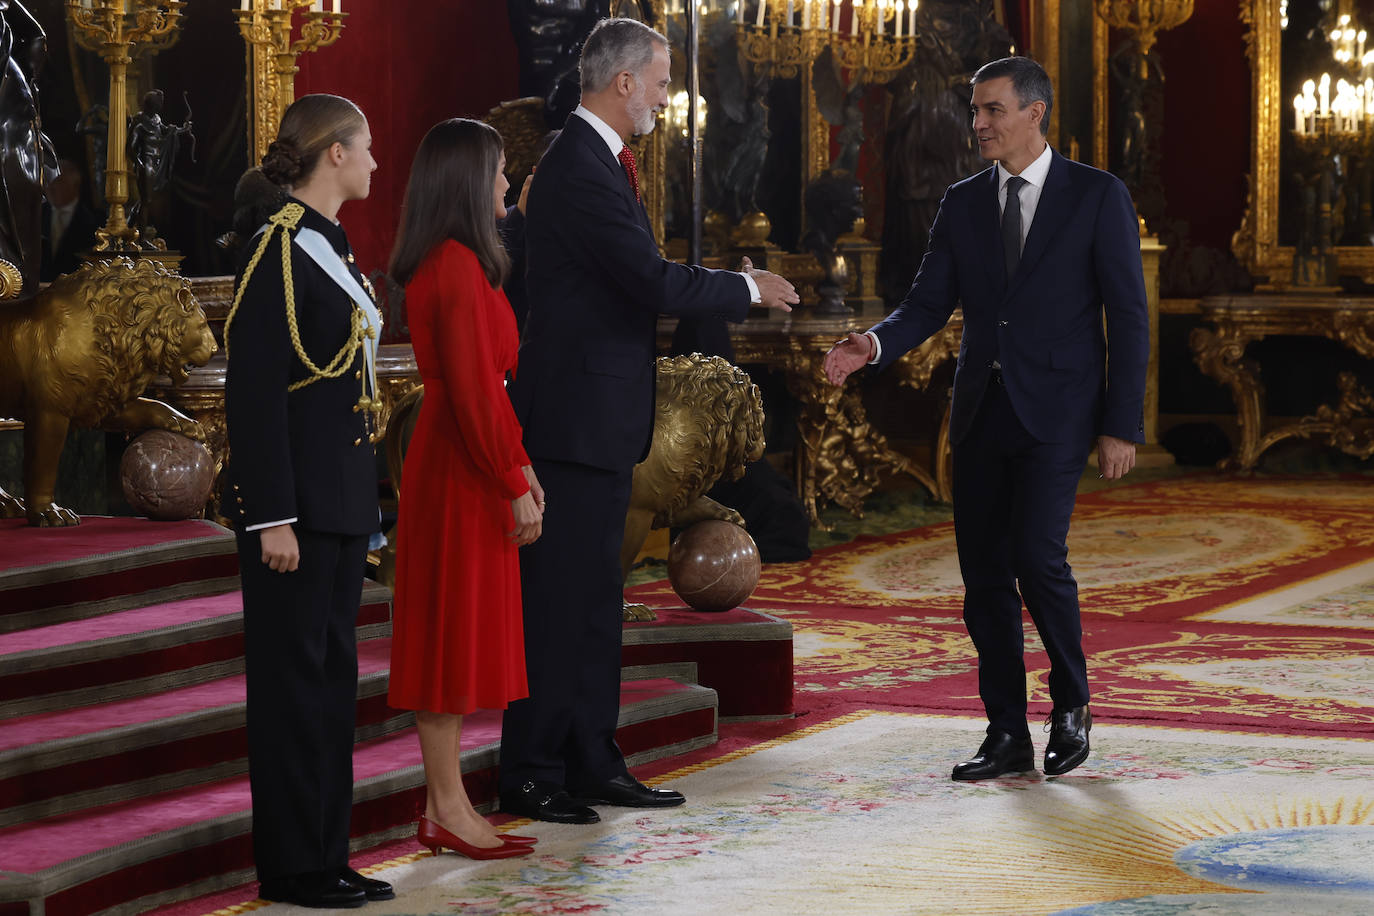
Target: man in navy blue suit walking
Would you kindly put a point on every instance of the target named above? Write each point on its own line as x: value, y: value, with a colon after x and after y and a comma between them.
x: 584, y: 395
x: 1036, y: 250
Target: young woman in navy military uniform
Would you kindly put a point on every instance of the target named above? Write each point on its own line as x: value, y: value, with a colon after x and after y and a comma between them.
x: 302, y: 488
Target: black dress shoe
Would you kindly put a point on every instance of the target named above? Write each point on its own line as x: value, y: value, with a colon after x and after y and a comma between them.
x: 321, y: 892
x: 999, y: 754
x: 371, y: 887
x: 628, y: 792
x: 541, y: 801
x: 1068, y: 744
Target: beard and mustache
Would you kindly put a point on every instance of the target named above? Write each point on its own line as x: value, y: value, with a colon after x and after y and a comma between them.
x: 641, y: 113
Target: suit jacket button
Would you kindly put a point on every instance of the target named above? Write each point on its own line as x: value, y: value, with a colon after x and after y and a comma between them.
x: 358, y: 441
x: 1001, y: 324
x: 358, y: 374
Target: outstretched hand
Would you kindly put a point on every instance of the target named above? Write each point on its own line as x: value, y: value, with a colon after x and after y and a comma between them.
x: 847, y: 357
x: 775, y: 292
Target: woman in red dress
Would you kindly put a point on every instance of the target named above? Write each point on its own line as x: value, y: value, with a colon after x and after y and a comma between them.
x: 469, y: 497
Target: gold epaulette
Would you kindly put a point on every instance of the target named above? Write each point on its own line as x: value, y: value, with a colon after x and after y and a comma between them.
x: 288, y: 217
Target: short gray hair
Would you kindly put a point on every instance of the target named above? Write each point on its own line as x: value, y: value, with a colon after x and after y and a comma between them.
x: 615, y: 46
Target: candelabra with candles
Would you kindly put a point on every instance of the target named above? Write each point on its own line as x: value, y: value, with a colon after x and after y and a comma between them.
x: 111, y: 28
x: 267, y: 26
x: 1144, y: 18
x: 788, y: 36
x: 1326, y: 134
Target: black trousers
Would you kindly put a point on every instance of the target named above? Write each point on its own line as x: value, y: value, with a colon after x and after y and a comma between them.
x: 1013, y: 498
x: 301, y: 653
x: 564, y: 732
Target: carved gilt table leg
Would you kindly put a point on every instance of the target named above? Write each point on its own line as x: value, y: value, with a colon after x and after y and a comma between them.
x: 1220, y: 354
x: 840, y: 456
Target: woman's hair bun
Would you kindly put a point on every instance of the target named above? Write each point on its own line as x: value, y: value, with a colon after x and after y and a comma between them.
x: 283, y: 163
x: 255, y: 199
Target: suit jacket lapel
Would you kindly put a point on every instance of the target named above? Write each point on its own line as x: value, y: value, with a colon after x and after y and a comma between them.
x: 588, y: 135
x: 1050, y: 214
x: 987, y: 223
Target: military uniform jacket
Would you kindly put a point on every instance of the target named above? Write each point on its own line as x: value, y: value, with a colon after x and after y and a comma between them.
x: 303, y: 454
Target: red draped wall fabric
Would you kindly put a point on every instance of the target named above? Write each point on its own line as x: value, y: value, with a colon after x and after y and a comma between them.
x: 408, y: 66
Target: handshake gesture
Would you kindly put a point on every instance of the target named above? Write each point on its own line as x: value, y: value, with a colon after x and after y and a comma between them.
x: 847, y: 357
x: 775, y: 292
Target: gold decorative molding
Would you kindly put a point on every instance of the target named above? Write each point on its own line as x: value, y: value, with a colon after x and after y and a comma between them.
x: 266, y: 26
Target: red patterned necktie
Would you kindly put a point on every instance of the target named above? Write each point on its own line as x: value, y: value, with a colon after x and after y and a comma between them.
x: 627, y: 161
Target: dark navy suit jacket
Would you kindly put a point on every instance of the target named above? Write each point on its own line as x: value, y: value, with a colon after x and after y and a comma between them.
x: 1044, y: 326
x: 584, y: 389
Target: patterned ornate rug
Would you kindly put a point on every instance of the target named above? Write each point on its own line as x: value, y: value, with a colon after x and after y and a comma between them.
x: 858, y: 815
x: 1207, y: 600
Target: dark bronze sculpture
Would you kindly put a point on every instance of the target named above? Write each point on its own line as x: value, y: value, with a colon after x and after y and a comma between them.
x: 24, y: 152
x: 834, y: 202
x: 153, y: 145
x: 929, y: 143
x: 841, y: 104
x: 736, y: 138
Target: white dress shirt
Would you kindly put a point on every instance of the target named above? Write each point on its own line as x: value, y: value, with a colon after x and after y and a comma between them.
x: 615, y: 144
x: 1029, y: 196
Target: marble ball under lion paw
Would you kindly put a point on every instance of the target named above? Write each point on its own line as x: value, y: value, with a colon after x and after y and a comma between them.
x: 714, y: 565
x: 166, y: 476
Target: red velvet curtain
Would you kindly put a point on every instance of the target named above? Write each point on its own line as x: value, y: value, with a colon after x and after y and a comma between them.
x: 408, y: 66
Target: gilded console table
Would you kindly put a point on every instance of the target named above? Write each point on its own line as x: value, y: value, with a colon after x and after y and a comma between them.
x: 839, y: 455
x: 1238, y: 320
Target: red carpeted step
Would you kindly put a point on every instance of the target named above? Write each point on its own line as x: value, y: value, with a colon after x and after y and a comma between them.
x: 744, y: 655
x: 48, y: 575
x: 177, y: 844
x: 135, y: 651
x: 57, y: 762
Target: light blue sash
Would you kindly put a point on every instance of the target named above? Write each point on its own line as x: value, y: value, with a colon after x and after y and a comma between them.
x: 323, y: 254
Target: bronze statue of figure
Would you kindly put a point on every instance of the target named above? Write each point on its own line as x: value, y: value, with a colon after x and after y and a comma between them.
x: 834, y: 201
x: 25, y: 154
x: 841, y: 104
x: 153, y: 145
x: 929, y: 141
x: 735, y: 144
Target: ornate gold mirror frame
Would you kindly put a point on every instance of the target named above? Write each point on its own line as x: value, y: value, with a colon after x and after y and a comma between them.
x: 1256, y: 243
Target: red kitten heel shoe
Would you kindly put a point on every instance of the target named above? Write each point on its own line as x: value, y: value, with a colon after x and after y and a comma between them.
x: 434, y: 837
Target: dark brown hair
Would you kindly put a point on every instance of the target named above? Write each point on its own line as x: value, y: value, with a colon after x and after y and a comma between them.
x: 449, y: 196
x: 311, y: 125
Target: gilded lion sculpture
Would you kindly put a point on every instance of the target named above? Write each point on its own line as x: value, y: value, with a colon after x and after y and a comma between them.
x: 83, y: 352
x: 708, y: 424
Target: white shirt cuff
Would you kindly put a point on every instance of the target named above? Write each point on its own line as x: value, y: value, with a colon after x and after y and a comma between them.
x: 285, y: 521
x: 754, y: 296
x: 877, y: 348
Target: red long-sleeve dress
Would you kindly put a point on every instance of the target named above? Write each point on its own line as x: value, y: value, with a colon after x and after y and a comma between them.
x: 457, y: 638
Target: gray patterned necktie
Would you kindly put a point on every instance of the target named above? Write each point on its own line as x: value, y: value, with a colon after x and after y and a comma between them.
x: 1011, y: 226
